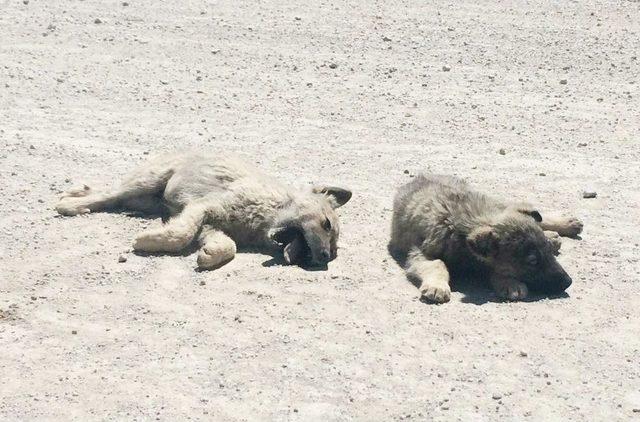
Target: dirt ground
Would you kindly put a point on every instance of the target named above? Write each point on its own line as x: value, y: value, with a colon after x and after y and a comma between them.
x: 358, y: 94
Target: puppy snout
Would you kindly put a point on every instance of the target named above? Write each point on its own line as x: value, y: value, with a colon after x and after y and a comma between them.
x: 559, y: 283
x: 565, y: 282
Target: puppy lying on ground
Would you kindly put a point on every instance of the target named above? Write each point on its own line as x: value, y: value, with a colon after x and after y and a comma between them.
x: 222, y: 202
x: 440, y: 226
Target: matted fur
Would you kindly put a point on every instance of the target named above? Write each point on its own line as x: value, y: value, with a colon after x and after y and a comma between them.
x: 441, y: 226
x: 222, y: 201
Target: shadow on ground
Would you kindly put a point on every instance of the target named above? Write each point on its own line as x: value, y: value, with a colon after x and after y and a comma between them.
x: 475, y: 290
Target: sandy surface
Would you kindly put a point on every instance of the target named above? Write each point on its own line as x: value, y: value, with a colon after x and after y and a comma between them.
x: 332, y: 92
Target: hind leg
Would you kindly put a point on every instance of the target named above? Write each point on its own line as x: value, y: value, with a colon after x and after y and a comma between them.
x: 216, y: 250
x: 145, y: 182
x: 146, y: 204
x: 432, y: 276
x: 76, y: 202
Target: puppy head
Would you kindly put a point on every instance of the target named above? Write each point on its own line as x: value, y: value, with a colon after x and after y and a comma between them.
x: 515, y: 247
x: 313, y: 220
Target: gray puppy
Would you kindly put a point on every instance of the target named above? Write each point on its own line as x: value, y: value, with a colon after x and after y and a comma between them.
x: 221, y: 200
x: 440, y: 226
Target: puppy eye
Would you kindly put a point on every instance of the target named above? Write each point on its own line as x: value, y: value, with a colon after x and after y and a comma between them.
x: 532, y: 260
x: 326, y: 225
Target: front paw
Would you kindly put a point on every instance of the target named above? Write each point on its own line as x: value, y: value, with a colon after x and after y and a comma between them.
x: 571, y: 227
x: 513, y: 291
x: 214, y: 257
x: 150, y: 241
x: 554, y: 241
x: 436, y: 294
x: 71, y: 206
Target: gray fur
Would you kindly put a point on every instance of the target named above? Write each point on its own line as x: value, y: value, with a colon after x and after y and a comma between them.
x: 441, y: 226
x: 222, y: 201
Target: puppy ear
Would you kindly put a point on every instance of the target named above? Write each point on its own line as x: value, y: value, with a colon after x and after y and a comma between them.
x: 528, y: 209
x: 483, y: 242
x: 338, y: 196
x: 294, y: 252
x: 284, y: 234
x: 533, y: 214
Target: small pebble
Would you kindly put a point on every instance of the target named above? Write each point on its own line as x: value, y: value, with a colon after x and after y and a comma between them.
x: 97, y: 21
x: 496, y: 396
x: 125, y: 4
x: 523, y: 354
x: 589, y: 195
x: 502, y: 151
x: 203, y: 283
x: 74, y: 331
x: 582, y: 144
x: 446, y: 68
x: 386, y: 39
x: 406, y: 172
x: 333, y: 65
x: 563, y: 81
x: 122, y: 259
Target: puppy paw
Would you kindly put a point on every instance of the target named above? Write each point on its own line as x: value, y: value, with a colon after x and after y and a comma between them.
x: 77, y: 192
x: 213, y: 257
x: 571, y: 227
x: 514, y: 291
x: 554, y: 241
x: 70, y: 206
x: 436, y: 294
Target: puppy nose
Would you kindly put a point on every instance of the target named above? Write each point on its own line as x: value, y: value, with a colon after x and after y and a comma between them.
x: 325, y: 256
x: 566, y: 282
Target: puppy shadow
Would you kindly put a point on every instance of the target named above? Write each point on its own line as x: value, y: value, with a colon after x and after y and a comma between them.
x: 219, y: 265
x: 478, y: 292
x: 277, y: 260
x: 474, y: 290
x: 162, y: 214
